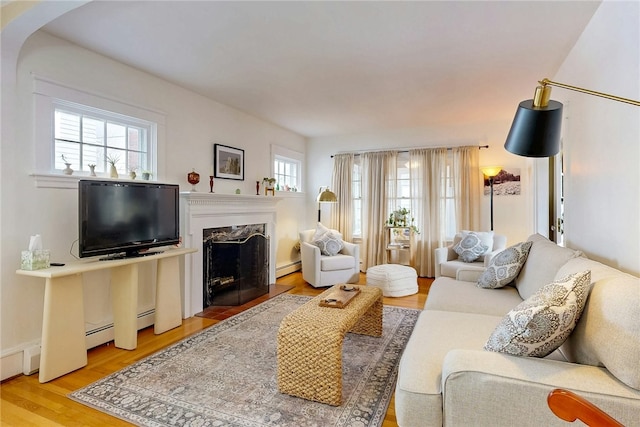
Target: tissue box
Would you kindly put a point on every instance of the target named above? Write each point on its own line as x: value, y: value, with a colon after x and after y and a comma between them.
x: 35, y: 260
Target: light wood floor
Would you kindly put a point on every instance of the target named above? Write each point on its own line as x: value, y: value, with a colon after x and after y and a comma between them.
x: 26, y: 402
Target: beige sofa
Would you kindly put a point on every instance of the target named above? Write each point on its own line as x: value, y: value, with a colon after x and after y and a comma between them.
x: 446, y: 377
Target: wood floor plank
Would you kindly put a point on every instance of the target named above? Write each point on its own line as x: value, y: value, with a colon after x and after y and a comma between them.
x: 26, y: 402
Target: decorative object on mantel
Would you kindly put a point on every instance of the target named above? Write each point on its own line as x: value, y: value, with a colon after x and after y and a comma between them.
x: 92, y: 169
x: 269, y: 186
x: 112, y: 159
x: 67, y: 170
x: 193, y: 178
x: 132, y: 173
x: 228, y: 162
x: 237, y: 191
x: 257, y: 188
x: 210, y: 183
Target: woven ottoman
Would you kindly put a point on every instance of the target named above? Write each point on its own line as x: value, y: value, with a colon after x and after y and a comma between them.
x: 394, y: 280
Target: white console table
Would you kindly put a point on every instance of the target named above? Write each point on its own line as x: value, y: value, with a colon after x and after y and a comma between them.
x: 63, y: 347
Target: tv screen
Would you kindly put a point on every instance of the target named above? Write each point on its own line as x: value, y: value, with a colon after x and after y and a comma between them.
x: 126, y: 218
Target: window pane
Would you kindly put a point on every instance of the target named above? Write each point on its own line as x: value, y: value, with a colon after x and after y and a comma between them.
x: 92, y: 131
x: 116, y: 136
x: 67, y: 126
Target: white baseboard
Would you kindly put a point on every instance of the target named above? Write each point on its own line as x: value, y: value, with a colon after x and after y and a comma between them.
x: 288, y: 269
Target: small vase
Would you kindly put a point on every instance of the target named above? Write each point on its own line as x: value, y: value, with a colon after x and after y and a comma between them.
x: 67, y: 170
x: 146, y: 176
x: 92, y: 170
x: 132, y: 175
x: 113, y: 172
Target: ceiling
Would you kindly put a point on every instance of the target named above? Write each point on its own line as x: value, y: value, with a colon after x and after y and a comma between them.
x: 329, y: 68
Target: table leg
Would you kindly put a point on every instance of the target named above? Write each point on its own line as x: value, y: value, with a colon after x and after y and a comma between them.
x: 63, y: 333
x: 124, y: 297
x: 168, y: 302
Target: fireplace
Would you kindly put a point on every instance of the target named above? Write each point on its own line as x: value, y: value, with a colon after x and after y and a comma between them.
x: 204, y: 211
x: 235, y: 264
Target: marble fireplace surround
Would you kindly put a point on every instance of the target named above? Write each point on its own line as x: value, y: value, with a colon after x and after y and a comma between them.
x: 200, y: 211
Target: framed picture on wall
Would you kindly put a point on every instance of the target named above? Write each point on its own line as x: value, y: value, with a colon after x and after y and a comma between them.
x: 228, y: 162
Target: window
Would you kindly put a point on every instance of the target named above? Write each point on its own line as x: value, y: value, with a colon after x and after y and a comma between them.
x: 85, y: 136
x: 87, y: 127
x: 287, y: 169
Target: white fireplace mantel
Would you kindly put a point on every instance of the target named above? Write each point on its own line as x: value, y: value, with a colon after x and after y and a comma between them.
x: 200, y: 211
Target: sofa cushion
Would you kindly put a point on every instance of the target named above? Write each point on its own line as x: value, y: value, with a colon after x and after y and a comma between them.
x: 543, y: 262
x: 542, y: 322
x: 418, y: 397
x: 471, y: 247
x: 447, y: 294
x: 608, y: 334
x: 505, y: 266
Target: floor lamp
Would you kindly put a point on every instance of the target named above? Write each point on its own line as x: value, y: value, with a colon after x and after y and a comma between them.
x: 491, y: 172
x: 326, y: 196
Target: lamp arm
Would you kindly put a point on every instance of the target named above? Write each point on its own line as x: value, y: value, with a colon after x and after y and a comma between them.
x: 546, y: 82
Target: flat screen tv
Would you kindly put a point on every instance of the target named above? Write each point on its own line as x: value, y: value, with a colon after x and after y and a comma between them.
x: 123, y: 219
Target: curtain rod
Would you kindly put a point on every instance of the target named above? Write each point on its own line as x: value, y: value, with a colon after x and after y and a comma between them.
x: 358, y: 153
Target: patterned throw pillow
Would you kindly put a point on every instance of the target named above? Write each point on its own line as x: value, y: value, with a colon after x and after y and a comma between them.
x: 329, y: 241
x: 505, y: 266
x: 470, y: 247
x: 540, y: 324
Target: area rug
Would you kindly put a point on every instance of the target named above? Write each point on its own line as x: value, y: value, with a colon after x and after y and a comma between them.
x: 226, y: 376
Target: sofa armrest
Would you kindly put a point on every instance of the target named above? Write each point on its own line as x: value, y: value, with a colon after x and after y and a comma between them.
x: 353, y: 250
x: 499, y: 389
x: 469, y: 274
x: 310, y: 259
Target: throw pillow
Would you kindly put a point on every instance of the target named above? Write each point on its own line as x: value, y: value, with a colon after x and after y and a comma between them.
x: 470, y: 247
x: 540, y: 324
x: 485, y: 236
x: 505, y: 266
x: 328, y: 241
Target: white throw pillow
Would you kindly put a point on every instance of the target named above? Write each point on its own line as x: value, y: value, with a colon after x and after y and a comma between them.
x: 485, y: 236
x: 470, y: 247
x: 505, y: 266
x: 541, y: 323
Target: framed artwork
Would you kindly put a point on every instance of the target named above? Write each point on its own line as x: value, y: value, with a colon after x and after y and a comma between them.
x: 506, y: 183
x: 228, y: 162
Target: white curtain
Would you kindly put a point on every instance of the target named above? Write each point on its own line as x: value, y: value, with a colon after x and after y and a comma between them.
x: 428, y: 186
x: 342, y: 186
x: 378, y: 190
x: 467, y: 187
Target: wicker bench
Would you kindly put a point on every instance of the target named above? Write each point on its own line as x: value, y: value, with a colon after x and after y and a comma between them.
x: 310, y: 344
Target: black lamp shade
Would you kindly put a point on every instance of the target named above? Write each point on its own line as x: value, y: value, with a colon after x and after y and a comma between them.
x: 535, y: 131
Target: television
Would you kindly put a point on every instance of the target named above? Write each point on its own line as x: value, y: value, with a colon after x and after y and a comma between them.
x: 125, y: 219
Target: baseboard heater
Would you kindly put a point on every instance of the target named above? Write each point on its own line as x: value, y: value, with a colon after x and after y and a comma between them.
x: 104, y: 333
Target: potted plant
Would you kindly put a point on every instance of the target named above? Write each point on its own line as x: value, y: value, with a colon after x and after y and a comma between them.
x: 269, y: 182
x: 400, y: 218
x: 92, y: 169
x: 112, y: 159
x: 146, y: 175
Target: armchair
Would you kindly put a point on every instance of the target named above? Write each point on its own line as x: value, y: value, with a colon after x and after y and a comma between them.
x: 324, y: 270
x: 448, y: 264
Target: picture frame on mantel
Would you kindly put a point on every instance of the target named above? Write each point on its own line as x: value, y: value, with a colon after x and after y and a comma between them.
x: 228, y: 162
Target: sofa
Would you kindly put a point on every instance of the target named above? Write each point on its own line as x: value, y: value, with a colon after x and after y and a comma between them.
x: 447, y: 377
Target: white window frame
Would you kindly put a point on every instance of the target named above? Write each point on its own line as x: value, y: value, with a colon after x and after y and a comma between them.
x: 290, y: 156
x: 48, y: 94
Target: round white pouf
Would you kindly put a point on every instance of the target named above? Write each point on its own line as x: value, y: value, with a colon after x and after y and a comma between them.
x: 394, y: 280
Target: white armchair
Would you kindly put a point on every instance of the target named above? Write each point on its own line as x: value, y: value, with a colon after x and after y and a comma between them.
x: 324, y: 270
x: 448, y: 264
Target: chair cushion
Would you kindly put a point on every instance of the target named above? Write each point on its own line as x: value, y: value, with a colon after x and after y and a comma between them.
x: 540, y: 324
x: 471, y: 247
x: 337, y: 262
x: 505, y: 266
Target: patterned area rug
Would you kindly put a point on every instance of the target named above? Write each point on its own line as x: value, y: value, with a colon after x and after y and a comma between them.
x: 226, y: 376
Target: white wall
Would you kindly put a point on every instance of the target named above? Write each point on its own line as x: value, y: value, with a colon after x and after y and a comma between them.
x: 602, y: 138
x: 193, y: 124
x: 512, y: 215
